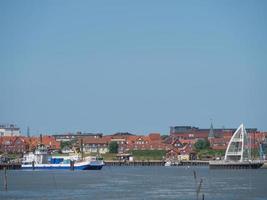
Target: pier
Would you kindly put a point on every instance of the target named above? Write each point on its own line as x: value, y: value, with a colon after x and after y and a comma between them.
x: 135, y: 163
x: 235, y: 165
x: 154, y: 163
x: 194, y: 163
x: 10, y: 166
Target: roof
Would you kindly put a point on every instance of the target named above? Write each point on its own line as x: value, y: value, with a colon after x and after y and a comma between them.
x: 192, y: 129
x: 122, y: 134
x: 176, y: 150
x: 90, y: 140
x: 77, y: 135
x: 47, y: 140
x: 154, y: 136
x: 7, y: 138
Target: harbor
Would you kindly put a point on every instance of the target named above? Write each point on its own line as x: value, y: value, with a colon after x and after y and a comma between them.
x: 238, y: 154
x: 133, y: 100
x: 211, y: 164
x: 126, y: 149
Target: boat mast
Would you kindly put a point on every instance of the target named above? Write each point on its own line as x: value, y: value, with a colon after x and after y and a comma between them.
x: 81, y: 147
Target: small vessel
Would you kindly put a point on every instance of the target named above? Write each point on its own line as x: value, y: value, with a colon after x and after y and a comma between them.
x: 238, y: 153
x: 169, y: 163
x: 41, y: 159
x: 264, y: 165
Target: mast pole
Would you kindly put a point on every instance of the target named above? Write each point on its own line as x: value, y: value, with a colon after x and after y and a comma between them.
x: 82, y: 147
x: 250, y: 146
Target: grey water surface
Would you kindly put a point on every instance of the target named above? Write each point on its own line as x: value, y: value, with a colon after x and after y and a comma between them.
x: 136, y: 183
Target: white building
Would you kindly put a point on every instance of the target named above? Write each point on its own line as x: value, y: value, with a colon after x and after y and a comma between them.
x: 9, y: 130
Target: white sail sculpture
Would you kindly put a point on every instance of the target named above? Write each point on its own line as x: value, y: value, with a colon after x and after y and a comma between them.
x: 238, y: 148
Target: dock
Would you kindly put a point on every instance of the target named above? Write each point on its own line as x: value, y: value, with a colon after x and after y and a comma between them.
x: 154, y: 163
x: 194, y: 163
x: 10, y: 166
x: 235, y: 165
x: 135, y: 163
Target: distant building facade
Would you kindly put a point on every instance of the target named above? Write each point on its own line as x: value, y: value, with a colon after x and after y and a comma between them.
x: 73, y: 136
x: 218, y: 138
x: 13, y: 144
x: 94, y: 145
x: 191, y: 132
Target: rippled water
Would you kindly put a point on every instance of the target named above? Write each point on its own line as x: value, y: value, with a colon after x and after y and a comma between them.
x: 136, y: 183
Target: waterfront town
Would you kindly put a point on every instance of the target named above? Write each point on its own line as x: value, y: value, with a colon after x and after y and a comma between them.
x: 182, y: 143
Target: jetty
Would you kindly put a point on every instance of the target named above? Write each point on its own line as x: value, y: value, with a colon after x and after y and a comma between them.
x: 10, y: 166
x: 194, y: 163
x: 134, y: 163
x: 235, y: 165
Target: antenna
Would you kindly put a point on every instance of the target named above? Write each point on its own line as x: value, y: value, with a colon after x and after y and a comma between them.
x: 81, y: 147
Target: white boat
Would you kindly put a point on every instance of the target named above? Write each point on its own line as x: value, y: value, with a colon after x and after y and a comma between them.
x: 168, y: 164
x: 41, y: 159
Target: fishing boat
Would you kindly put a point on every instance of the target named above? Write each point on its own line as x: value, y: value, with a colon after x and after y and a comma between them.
x: 238, y: 153
x: 43, y: 160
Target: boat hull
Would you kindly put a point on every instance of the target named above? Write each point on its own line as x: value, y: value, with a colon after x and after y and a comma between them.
x: 264, y: 166
x: 77, y: 166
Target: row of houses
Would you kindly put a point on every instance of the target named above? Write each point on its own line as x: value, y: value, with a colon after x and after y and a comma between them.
x: 181, y: 140
x: 218, y: 138
x: 126, y: 142
x: 91, y: 143
x: 21, y: 144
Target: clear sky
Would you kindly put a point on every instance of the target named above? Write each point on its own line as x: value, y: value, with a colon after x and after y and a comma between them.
x: 137, y: 66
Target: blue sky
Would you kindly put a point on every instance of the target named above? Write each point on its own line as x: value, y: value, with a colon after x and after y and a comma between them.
x: 136, y: 66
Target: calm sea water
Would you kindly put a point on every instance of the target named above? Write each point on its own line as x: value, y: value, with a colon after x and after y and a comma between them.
x: 136, y: 183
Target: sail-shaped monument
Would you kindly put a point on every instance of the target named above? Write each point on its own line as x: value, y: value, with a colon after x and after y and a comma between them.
x: 239, y: 146
x: 238, y: 153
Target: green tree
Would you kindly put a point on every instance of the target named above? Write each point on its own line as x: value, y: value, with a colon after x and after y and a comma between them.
x: 65, y: 144
x: 202, y: 144
x: 113, y: 147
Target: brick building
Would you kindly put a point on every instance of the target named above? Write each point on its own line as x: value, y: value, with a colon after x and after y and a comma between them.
x: 94, y: 145
x: 9, y: 144
x: 191, y: 132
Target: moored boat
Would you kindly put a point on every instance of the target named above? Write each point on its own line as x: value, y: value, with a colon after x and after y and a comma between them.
x: 42, y: 160
x: 264, y: 166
